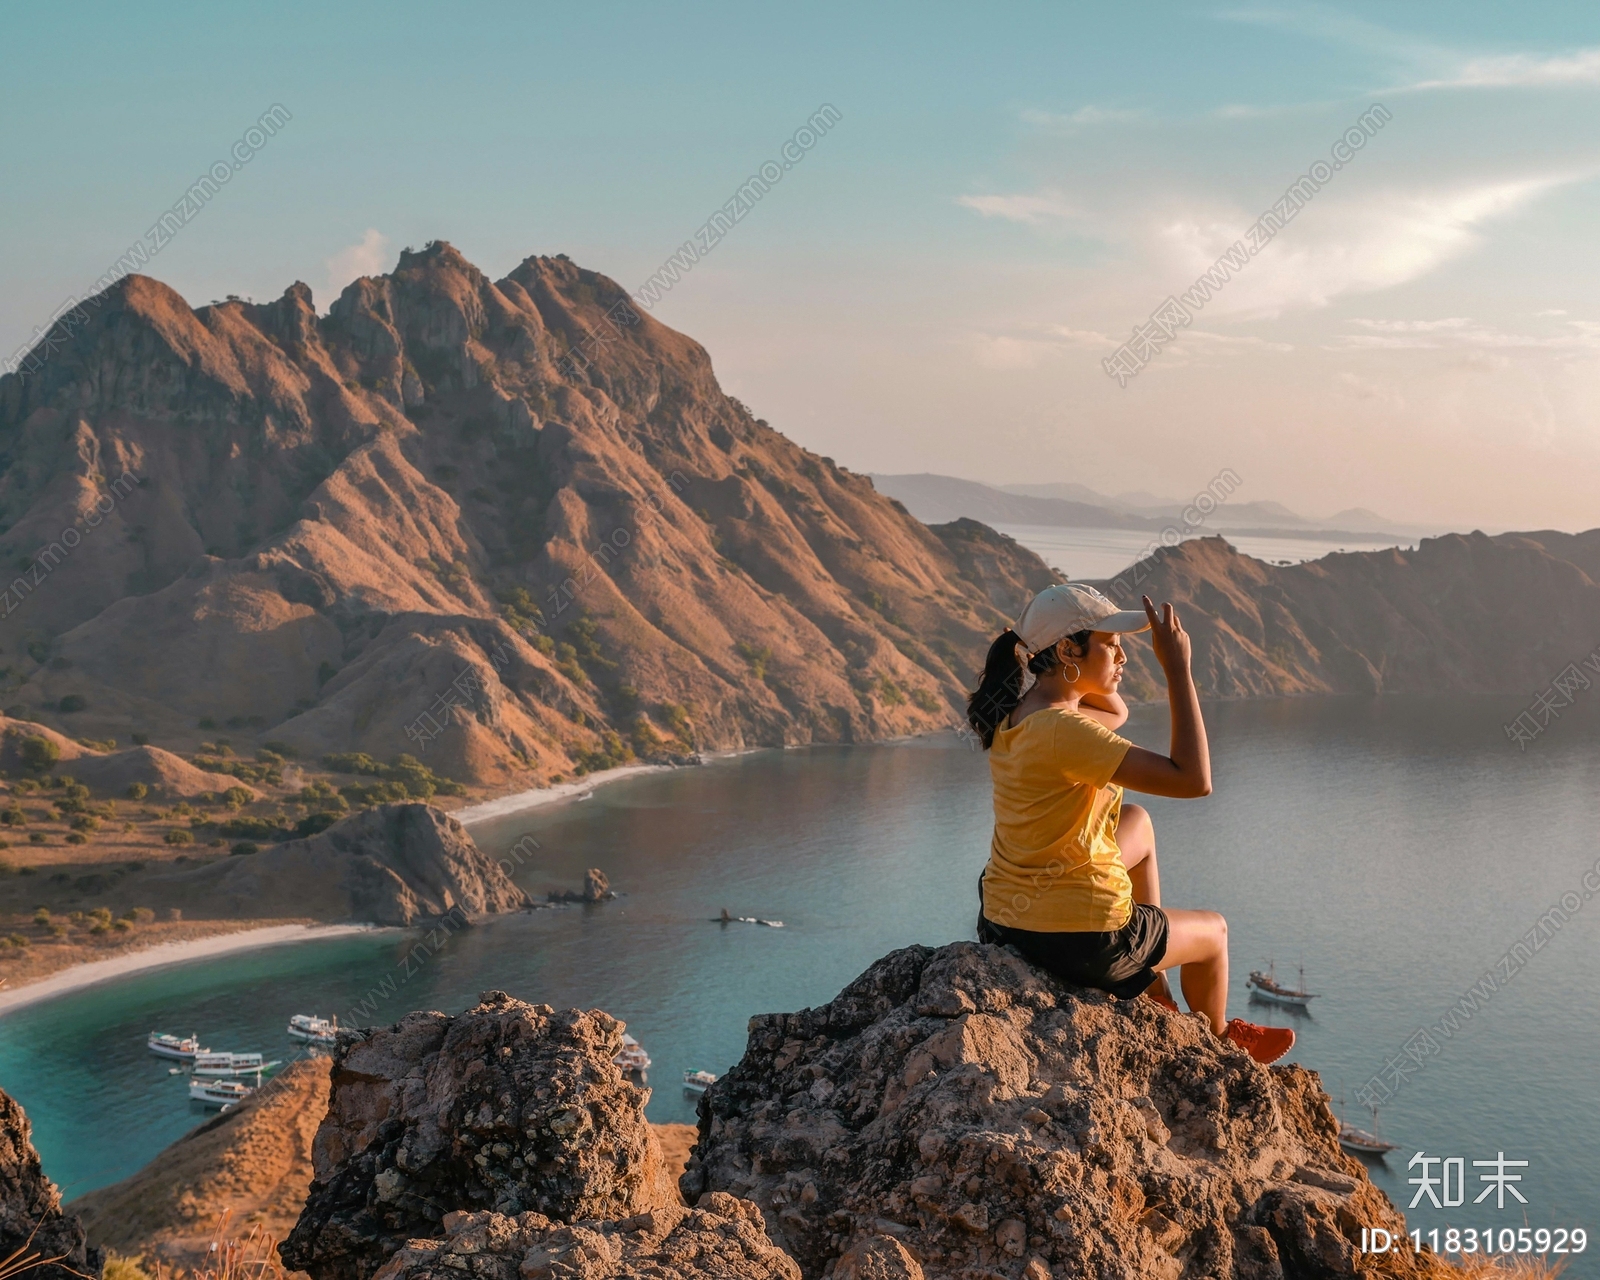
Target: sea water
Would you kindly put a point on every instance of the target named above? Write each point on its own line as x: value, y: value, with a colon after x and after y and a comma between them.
x: 1091, y: 554
x: 1400, y: 849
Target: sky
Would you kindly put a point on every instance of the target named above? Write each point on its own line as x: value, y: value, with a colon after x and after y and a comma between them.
x: 936, y: 281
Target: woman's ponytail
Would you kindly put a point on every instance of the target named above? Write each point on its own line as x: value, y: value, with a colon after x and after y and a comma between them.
x: 999, y: 690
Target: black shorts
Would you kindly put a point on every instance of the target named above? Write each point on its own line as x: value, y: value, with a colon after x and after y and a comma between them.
x: 1122, y: 961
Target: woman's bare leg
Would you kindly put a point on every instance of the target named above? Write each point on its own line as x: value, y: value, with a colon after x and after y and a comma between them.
x: 1198, y: 942
x: 1136, y: 840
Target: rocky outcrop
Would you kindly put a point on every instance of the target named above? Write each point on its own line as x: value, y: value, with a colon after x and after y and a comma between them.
x: 722, y: 1238
x: 32, y: 1225
x: 596, y: 888
x: 394, y: 864
x: 956, y: 1112
x: 252, y: 1160
x: 509, y: 1108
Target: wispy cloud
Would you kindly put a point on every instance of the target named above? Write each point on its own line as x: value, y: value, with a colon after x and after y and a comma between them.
x: 1033, y: 209
x: 1415, y: 326
x: 1512, y: 70
x: 1362, y: 244
x: 1082, y: 117
x: 1428, y: 64
x: 367, y: 257
x: 1457, y: 332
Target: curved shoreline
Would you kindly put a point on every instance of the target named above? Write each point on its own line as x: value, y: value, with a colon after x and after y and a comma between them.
x: 538, y: 797
x: 75, y: 977
x: 519, y: 801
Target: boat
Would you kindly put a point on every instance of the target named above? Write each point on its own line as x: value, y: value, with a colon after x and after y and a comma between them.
x: 725, y: 918
x: 314, y: 1030
x: 1360, y: 1142
x: 220, y: 1064
x: 218, y: 1093
x: 632, y: 1059
x: 166, y: 1046
x: 1266, y: 987
x: 697, y: 1081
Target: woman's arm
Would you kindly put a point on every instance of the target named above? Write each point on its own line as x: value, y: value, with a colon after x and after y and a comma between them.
x: 1109, y: 709
x: 1186, y: 772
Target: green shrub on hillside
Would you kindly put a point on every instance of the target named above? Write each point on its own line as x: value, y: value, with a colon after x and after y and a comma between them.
x: 249, y: 829
x: 406, y: 778
x: 39, y: 754
x: 312, y: 823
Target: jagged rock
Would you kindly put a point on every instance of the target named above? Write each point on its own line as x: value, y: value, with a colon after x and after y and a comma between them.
x: 391, y: 865
x: 956, y: 1112
x: 30, y: 1205
x: 509, y: 1108
x: 723, y: 1238
x: 596, y: 888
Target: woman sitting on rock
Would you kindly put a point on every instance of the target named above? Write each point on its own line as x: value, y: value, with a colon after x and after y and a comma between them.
x: 1072, y: 880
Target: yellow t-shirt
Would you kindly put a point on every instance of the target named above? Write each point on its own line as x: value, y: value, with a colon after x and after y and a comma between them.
x: 1054, y: 866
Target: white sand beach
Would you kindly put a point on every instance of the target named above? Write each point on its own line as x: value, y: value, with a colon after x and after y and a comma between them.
x: 84, y: 975
x: 503, y: 806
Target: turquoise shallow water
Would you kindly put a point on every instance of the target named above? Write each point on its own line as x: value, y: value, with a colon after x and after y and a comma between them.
x: 1397, y: 848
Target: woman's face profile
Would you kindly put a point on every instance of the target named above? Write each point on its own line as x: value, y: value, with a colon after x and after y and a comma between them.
x: 1101, y: 665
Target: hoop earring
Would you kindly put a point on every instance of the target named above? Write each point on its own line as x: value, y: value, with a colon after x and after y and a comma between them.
x: 1077, y: 671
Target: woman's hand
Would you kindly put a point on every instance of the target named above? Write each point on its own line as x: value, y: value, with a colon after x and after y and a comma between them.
x: 1185, y: 771
x: 1168, y: 638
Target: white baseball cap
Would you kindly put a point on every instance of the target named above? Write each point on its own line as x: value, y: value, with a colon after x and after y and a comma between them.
x: 1068, y: 608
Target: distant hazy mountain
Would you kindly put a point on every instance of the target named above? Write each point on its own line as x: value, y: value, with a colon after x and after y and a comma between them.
x: 939, y: 499
x: 936, y: 499
x: 1239, y: 515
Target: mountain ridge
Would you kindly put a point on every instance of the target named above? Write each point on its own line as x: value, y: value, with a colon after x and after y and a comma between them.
x: 419, y: 524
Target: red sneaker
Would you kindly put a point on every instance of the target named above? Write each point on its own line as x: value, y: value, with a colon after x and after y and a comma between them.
x: 1264, y: 1044
x: 1161, y: 992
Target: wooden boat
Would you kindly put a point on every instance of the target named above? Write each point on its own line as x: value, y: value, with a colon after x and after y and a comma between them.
x: 167, y: 1046
x: 1266, y: 987
x: 697, y: 1081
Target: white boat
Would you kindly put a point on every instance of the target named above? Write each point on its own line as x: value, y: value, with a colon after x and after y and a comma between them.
x: 632, y: 1059
x: 725, y: 918
x: 220, y: 1064
x: 173, y: 1046
x: 697, y: 1081
x: 1359, y: 1141
x: 314, y: 1030
x: 1266, y: 988
x: 218, y: 1093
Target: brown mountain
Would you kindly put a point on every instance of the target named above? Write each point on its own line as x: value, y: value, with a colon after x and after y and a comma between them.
x: 513, y: 527
x: 1465, y: 613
